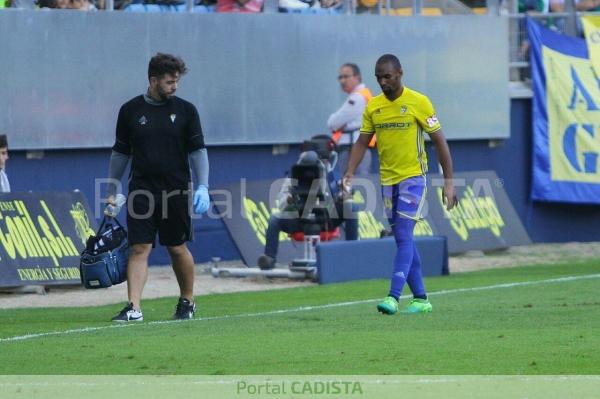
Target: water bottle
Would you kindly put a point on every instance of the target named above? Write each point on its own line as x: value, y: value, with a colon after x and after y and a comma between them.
x: 113, y: 210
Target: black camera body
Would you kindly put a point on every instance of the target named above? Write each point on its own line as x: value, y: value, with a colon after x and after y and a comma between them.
x: 312, y: 198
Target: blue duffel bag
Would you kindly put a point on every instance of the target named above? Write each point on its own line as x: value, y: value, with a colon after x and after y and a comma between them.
x: 104, y: 259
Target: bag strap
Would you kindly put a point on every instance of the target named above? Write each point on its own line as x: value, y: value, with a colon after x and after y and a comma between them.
x: 107, y: 220
x: 118, y: 223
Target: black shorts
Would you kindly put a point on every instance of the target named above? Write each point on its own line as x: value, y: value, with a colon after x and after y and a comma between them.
x: 170, y: 217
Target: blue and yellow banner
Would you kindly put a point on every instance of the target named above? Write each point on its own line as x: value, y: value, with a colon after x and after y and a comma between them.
x: 566, y: 118
x: 591, y: 28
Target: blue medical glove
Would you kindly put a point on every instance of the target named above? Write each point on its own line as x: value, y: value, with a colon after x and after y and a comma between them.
x: 201, y: 200
x: 114, y: 206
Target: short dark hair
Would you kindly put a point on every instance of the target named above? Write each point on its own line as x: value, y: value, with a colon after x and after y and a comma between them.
x: 355, y: 69
x: 392, y: 59
x: 162, y: 64
x: 3, y: 141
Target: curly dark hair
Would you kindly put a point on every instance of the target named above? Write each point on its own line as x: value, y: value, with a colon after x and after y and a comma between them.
x: 162, y: 64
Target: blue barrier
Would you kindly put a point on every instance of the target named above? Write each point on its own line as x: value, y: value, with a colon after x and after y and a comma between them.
x: 340, y: 261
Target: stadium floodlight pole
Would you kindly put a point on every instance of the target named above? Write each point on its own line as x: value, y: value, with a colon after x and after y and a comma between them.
x: 493, y: 7
x: 417, y: 7
x: 189, y: 5
x: 109, y: 5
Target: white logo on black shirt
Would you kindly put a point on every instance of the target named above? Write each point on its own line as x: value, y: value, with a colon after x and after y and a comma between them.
x: 143, y: 120
x: 173, y: 116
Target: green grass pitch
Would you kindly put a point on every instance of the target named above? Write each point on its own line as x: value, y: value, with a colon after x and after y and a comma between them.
x: 527, y: 320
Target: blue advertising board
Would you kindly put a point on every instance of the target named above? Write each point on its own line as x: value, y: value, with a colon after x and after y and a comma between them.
x: 42, y: 236
x: 484, y: 218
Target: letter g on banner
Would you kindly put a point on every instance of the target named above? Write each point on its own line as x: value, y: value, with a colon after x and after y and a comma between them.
x: 584, y: 148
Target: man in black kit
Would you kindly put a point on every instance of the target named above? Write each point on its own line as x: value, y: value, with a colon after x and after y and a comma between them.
x: 161, y: 134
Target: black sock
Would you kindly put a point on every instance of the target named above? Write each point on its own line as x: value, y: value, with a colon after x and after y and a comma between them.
x: 424, y: 297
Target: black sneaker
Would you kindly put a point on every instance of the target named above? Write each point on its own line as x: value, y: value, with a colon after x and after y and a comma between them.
x: 185, y: 310
x: 129, y: 314
x: 265, y: 262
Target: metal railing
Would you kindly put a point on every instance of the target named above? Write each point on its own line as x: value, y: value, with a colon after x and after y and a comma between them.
x: 381, y: 7
x: 568, y: 23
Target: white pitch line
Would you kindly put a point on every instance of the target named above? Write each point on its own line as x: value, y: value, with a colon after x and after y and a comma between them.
x: 366, y: 380
x: 298, y: 309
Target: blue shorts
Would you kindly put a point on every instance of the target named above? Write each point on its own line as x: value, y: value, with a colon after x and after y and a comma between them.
x: 405, y: 199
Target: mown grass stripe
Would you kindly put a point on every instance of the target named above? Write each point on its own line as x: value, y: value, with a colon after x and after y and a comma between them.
x: 297, y: 309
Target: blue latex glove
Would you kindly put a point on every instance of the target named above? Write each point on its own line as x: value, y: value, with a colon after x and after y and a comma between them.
x: 201, y: 200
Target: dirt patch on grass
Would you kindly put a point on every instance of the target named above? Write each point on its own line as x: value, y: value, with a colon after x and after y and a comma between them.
x: 161, y: 283
x: 536, y: 254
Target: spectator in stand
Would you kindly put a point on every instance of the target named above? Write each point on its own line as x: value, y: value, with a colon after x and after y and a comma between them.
x: 367, y: 7
x: 82, y: 5
x: 242, y: 6
x: 306, y: 5
x: 541, y: 6
x: 580, y: 5
x: 58, y: 4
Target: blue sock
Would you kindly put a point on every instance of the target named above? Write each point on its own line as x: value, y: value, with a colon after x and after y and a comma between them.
x: 403, y: 233
x: 415, y: 276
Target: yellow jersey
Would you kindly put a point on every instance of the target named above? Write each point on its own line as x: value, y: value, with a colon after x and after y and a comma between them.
x: 399, y: 127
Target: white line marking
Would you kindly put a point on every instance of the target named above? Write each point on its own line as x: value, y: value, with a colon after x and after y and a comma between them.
x: 298, y: 309
x: 181, y: 380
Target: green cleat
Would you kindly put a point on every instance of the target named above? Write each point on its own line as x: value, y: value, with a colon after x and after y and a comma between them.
x: 418, y: 306
x: 388, y: 306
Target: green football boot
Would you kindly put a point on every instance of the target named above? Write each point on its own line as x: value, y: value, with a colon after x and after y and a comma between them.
x: 388, y: 306
x: 418, y: 306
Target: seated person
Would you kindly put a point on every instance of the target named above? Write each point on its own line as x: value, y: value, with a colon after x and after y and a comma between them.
x: 290, y: 219
x: 242, y: 6
x: 82, y: 5
x: 315, y: 5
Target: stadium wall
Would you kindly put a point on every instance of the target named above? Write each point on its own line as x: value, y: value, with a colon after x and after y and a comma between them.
x: 274, y: 72
x: 511, y: 159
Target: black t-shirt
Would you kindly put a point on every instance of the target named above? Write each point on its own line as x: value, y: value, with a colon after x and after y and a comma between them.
x: 159, y: 139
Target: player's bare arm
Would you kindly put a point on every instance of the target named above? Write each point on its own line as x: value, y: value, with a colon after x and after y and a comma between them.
x: 357, y: 154
x: 445, y: 159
